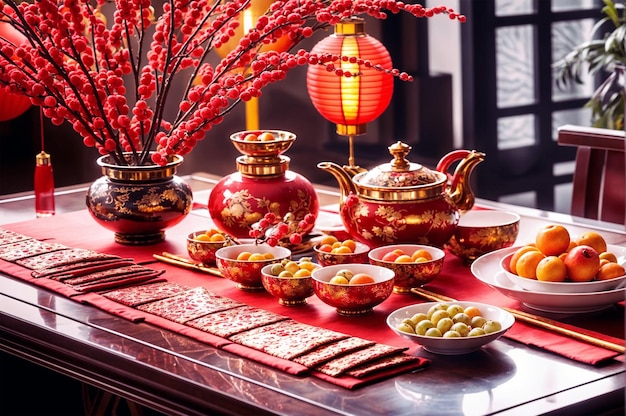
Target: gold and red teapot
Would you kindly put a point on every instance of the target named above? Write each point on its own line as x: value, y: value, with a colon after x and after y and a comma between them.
x: 404, y: 202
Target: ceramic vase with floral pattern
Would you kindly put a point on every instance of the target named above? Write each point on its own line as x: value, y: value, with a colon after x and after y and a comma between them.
x: 263, y: 183
x: 139, y: 202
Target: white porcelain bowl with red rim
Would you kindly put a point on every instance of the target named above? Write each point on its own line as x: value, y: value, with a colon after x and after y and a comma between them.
x: 483, y: 231
x: 245, y: 273
x: 330, y: 259
x: 290, y: 291
x: 409, y: 275
x: 535, y: 285
x: 350, y: 299
x: 452, y: 346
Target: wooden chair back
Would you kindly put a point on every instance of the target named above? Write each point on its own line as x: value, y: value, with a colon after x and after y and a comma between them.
x: 599, y: 183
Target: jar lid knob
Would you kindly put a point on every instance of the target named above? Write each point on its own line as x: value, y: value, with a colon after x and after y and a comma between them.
x: 399, y: 151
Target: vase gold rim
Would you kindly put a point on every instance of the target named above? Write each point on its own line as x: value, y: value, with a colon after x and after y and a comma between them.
x: 265, y: 167
x: 139, y: 173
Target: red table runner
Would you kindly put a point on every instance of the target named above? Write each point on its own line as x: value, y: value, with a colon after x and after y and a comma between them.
x: 456, y: 280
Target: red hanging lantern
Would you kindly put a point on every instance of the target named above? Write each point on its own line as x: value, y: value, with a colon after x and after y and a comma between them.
x: 351, y: 102
x: 247, y: 21
x: 12, y: 105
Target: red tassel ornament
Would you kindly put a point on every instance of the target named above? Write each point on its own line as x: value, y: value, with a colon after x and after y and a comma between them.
x: 44, y: 180
x: 44, y: 186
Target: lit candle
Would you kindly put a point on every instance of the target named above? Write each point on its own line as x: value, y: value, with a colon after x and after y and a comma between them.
x: 252, y: 106
x: 252, y: 114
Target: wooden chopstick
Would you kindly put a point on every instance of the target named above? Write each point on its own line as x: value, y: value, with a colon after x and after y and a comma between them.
x: 435, y: 297
x: 535, y: 320
x: 554, y: 326
x: 179, y: 261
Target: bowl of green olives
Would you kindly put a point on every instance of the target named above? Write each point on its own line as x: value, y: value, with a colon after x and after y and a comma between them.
x: 450, y: 328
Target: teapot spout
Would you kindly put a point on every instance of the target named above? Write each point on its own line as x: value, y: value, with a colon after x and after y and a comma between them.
x: 460, y: 190
x: 343, y: 177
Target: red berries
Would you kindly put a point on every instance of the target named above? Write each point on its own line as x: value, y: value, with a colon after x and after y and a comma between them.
x: 79, y: 64
x: 272, y: 231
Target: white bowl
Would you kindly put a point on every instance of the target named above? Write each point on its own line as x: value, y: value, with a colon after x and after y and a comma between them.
x: 452, y: 346
x: 561, y: 287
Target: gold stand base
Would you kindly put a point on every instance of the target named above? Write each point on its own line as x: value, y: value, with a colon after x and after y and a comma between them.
x: 352, y: 312
x: 246, y: 288
x: 139, y: 239
x: 296, y: 302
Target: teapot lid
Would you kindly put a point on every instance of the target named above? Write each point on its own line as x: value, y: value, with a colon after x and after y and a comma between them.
x: 399, y: 173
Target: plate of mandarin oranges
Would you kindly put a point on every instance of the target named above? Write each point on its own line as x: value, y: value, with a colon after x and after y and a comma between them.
x: 563, y: 263
x: 559, y: 272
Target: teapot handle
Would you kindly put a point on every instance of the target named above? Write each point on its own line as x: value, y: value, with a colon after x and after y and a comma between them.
x: 444, y: 164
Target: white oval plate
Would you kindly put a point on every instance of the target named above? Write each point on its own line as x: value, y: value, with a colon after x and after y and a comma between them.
x: 487, y: 269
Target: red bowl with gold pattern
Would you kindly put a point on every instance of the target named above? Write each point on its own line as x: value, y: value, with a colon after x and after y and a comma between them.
x: 203, y: 251
x: 330, y: 259
x: 483, y: 231
x: 290, y: 291
x: 247, y: 273
x: 353, y: 299
x: 409, y: 274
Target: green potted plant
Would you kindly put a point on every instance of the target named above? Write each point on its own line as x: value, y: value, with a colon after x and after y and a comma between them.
x: 606, y: 52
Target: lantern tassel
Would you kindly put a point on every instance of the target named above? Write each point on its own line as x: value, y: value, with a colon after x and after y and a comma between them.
x: 44, y: 181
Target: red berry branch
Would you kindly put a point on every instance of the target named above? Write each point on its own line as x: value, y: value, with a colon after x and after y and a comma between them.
x: 287, y: 231
x: 111, y: 80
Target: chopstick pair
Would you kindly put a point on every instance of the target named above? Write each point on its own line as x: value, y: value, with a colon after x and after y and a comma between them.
x: 535, y: 320
x: 175, y: 260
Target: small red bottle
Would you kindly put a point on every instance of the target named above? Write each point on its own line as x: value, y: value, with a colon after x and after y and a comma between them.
x: 44, y: 186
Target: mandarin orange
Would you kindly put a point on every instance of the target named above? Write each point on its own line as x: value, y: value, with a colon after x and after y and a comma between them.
x: 361, y: 279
